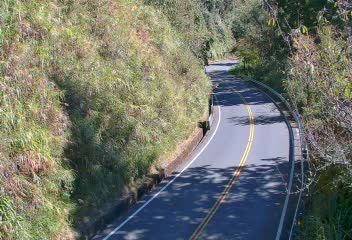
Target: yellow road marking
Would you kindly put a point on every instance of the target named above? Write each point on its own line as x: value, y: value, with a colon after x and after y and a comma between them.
x: 234, y: 178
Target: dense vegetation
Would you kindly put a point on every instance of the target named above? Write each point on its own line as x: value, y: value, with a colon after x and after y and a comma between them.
x: 92, y: 93
x: 206, y: 25
x: 304, y: 51
x: 320, y: 84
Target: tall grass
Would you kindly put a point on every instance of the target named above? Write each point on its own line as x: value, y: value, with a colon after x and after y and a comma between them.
x: 92, y: 93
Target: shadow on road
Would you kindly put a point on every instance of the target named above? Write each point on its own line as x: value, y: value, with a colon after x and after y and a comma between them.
x: 253, y: 207
x: 187, y: 202
x: 259, y: 120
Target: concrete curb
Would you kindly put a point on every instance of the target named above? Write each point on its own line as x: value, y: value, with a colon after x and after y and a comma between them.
x: 88, y: 228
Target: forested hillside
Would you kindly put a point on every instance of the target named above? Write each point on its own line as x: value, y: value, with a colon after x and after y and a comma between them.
x: 205, y: 25
x: 93, y: 93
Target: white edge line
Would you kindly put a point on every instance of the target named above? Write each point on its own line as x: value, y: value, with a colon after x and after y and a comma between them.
x: 292, y: 155
x: 168, y: 184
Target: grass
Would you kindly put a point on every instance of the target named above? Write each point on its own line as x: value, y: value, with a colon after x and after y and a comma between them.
x: 92, y: 94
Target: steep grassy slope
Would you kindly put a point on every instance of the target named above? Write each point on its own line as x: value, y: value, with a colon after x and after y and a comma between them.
x: 92, y: 93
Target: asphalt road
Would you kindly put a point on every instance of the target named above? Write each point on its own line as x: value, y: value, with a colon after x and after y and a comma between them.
x: 234, y: 184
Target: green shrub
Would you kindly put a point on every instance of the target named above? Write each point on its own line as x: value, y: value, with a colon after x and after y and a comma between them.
x: 329, y: 214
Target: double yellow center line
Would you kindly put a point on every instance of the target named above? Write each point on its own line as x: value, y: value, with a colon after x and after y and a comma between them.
x: 234, y: 178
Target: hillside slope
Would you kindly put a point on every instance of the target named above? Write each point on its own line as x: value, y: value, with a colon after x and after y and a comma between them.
x: 92, y: 93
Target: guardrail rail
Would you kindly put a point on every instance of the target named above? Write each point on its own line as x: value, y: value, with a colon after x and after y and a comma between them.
x: 302, y: 155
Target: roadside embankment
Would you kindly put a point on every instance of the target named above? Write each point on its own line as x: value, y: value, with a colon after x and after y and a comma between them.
x: 97, y: 219
x: 92, y: 94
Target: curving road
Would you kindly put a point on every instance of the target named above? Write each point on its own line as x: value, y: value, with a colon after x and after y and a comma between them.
x: 234, y: 184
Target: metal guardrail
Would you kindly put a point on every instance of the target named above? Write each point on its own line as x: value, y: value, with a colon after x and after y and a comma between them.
x: 303, y: 153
